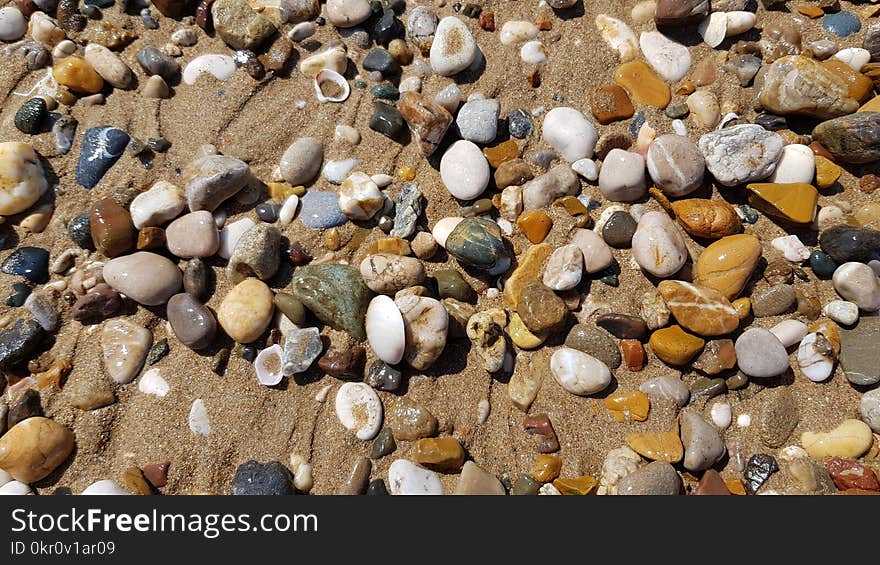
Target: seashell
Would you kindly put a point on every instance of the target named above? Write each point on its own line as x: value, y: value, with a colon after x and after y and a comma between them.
x: 618, y: 36
x: 359, y: 410
x: 328, y: 76
x: 268, y: 365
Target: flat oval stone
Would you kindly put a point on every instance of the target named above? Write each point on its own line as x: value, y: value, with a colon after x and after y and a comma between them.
x: 667, y: 388
x: 320, y: 210
x: 858, y: 283
x: 359, y: 409
x: 851, y: 438
x: 655, y: 478
x: 124, y: 347
x: 707, y: 218
x: 193, y: 235
x: 728, y: 264
x: 385, y: 330
x: 102, y: 146
x: 144, y: 277
x: 245, y: 313
x: 112, y: 230
x: 578, y: 372
x: 658, y: 247
x: 477, y: 242
x: 702, y: 310
x: 619, y: 229
x: 851, y: 139
x: 386, y: 273
x: 302, y: 160
x: 778, y: 416
x: 192, y: 322
x: 759, y: 353
x: 540, y: 308
x: 675, y: 346
x: 464, y: 170
x: 675, y: 164
x: 410, y: 421
x: 336, y: 294
x: 253, y: 478
x: 453, y: 48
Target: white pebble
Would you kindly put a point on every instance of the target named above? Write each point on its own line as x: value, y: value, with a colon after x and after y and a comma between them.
x: 198, y: 418
x: 346, y: 133
x: 569, y: 132
x: 533, y: 53
x: 453, y: 48
x: 739, y: 22
x: 288, y: 210
x: 855, y: 57
x: 743, y: 420
x: 483, y: 408
x: 359, y: 410
x: 407, y: 478
x: 790, y: 332
x: 321, y: 396
x: 382, y: 180
x: 791, y: 248
x: 385, y: 329
x: 670, y: 59
x: 796, y: 164
x: 679, y: 128
x: 222, y: 67
x: 618, y: 36
x: 842, y: 312
x: 815, y: 358
x: 153, y: 383
x: 13, y: 25
x: 15, y: 488
x: 268, y: 365
x: 449, y: 97
x: 464, y: 170
x: 858, y: 283
x: 713, y: 29
x: 302, y: 478
x: 63, y: 49
x: 721, y: 415
x: 105, y: 487
x: 301, y: 31
x: 586, y: 168
x: 410, y: 84
x: 518, y: 31
x: 337, y: 171
x: 184, y: 37
x: 578, y: 372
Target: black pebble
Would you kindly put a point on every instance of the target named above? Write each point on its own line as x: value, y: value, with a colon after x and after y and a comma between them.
x: 102, y: 146
x: 618, y: 231
x: 31, y: 263
x: 387, y: 28
x: 268, y: 212
x: 80, y: 231
x: 383, y: 376
x: 255, y: 478
x: 520, y: 124
x: 30, y: 116
x: 845, y: 243
x: 758, y: 470
x: 386, y: 120
x: 377, y: 488
x: 20, y: 292
x: 249, y: 353
x: 27, y: 406
x: 380, y: 60
x: 195, y: 278
x: 18, y: 342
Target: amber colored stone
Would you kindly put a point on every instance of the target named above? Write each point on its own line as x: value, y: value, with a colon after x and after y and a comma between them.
x: 710, y: 484
x: 718, y: 355
x: 743, y: 307
x: 501, y: 153
x: 546, y: 468
x: 827, y: 172
x: 487, y: 21
x: 674, y: 346
x: 571, y: 204
x: 151, y: 238
x: 820, y: 151
x: 581, y: 486
x: 811, y: 12
x: 333, y: 239
x: 281, y: 191
x: 78, y: 75
x: 110, y: 36
x: 535, y: 225
x: 735, y: 486
x: 112, y: 230
x: 406, y: 173
x: 868, y: 216
x: 704, y: 72
x: 790, y: 202
x: 633, y: 354
x: 860, y: 86
x: 440, y: 454
x: 728, y: 264
x: 662, y: 446
x: 135, y: 482
x: 623, y: 406
x: 529, y: 269
x: 685, y: 88
x: 544, y: 23
x: 701, y: 217
x: 869, y: 183
x: 830, y: 330
x: 643, y: 84
x: 392, y: 245
x: 610, y: 103
x: 700, y: 309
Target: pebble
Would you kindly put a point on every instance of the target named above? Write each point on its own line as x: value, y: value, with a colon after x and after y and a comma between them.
x: 759, y: 353
x: 153, y: 383
x: 453, y: 48
x: 199, y: 424
x: 675, y: 165
x: 359, y: 410
x: 728, y: 264
x: 155, y: 62
x: 146, y: 278
x: 675, y: 346
x: 792, y: 248
x: 702, y: 310
x: 450, y: 283
x: 519, y: 123
x: 578, y: 372
x: 31, y: 263
x: 221, y: 67
x: 569, y: 132
x: 22, y: 178
x: 540, y: 308
x: 425, y: 323
x: 850, y: 439
x: 533, y: 53
x: 382, y: 376
x: 101, y: 148
x: 335, y: 294
x: 407, y: 208
x: 320, y: 210
x: 386, y: 119
x: 212, y: 179
x: 841, y: 24
x: 359, y: 197
x: 464, y: 170
x: 192, y: 322
x: 703, y: 445
x: 385, y: 329
x: 622, y: 177
x: 703, y: 105
x: 670, y: 59
x: 347, y: 13
x: 869, y: 408
x: 658, y: 246
x: 475, y: 242
x: 564, y: 267
x: 816, y: 357
x: 253, y: 478
x: 107, y: 64
x: 773, y: 301
x: 124, y: 347
x: 653, y: 310
x: 43, y: 311
x: 642, y: 84
x: 246, y: 311
x: 740, y: 154
x: 594, y: 342
x: 421, y: 24
x: 193, y: 235
x: 794, y: 203
x: 161, y: 203
x: 476, y: 481
x: 555, y: 183
x: 13, y: 25
x: 845, y: 243
x: 231, y: 234
x: 790, y: 332
x: 443, y: 454
x: 33, y: 448
x: 406, y: 478
x: 619, y: 37
x: 721, y: 415
x: 858, y: 283
x: 655, y: 478
x: 427, y: 120
x: 842, y: 312
x: 301, y: 348
x: 477, y: 120
x: 857, y: 345
x: 667, y: 388
x: 849, y: 139
x: 302, y: 160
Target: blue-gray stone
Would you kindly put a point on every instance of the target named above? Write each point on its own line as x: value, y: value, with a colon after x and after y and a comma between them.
x: 64, y: 129
x: 636, y: 124
x: 380, y: 60
x: 519, y: 124
x: 262, y: 479
x: 841, y: 24
x: 18, y: 342
x: 102, y: 146
x: 31, y: 263
x: 321, y: 210
x: 154, y: 62
x: 408, y: 208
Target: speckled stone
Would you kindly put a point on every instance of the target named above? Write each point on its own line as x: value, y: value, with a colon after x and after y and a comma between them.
x: 336, y: 294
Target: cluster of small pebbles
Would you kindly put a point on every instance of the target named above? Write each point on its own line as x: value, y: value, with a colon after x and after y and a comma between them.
x: 689, y: 247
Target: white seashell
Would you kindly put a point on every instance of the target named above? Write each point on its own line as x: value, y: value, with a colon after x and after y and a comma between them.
x: 198, y: 418
x: 483, y: 408
x: 842, y: 312
x: 288, y: 210
x: 153, y: 383
x: 268, y: 365
x: 302, y: 478
x: 533, y: 53
x: 517, y: 31
x: 220, y: 67
x: 407, y: 478
x: 739, y: 22
x: 790, y: 332
x: 359, y: 410
x: 336, y: 171
x: 725, y: 119
x: 721, y: 415
x: 443, y: 228
x: 331, y: 76
x: 855, y: 57
x: 713, y: 29
x: 105, y: 487
x: 815, y: 357
x: 385, y: 329
x: 618, y: 36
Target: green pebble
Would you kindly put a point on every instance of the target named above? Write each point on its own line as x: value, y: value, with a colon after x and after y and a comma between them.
x: 737, y: 381
x: 383, y: 445
x: 481, y: 206
x: 525, y: 485
x: 450, y: 284
x: 707, y: 387
x: 29, y: 117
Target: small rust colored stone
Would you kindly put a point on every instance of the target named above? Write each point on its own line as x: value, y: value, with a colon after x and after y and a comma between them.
x: 711, y: 483
x: 848, y: 474
x: 544, y: 23
x: 610, y: 103
x: 501, y: 153
x: 113, y: 232
x: 534, y: 78
x: 298, y: 254
x: 633, y: 354
x: 151, y: 238
x: 541, y: 426
x: 819, y: 149
x: 346, y: 363
x: 487, y: 21
x: 869, y: 183
x: 718, y: 355
x: 157, y: 473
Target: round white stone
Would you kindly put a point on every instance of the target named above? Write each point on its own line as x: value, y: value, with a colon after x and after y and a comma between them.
x: 533, y: 53
x: 385, y: 329
x: 815, y: 365
x: 796, y: 164
x: 222, y: 67
x: 721, y: 415
x: 570, y: 133
x: 671, y: 60
x: 657, y: 245
x: 578, y: 372
x: 855, y: 57
x: 359, y: 410
x: 105, y: 487
x: 564, y: 268
x: 842, y: 312
x: 153, y: 383
x: 859, y: 284
x: 347, y: 13
x: 13, y: 25
x: 407, y: 478
x: 739, y: 21
x: 622, y: 178
x: 464, y: 170
x: 453, y: 48
x: 790, y: 332
x: 743, y: 420
x: 517, y: 31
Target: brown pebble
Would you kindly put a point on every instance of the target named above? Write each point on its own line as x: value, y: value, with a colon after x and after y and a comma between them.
x: 487, y: 21
x: 347, y: 363
x: 135, y: 482
x: 359, y: 478
x: 298, y: 254
x: 157, y: 473
x: 113, y: 232
x: 622, y: 326
x: 869, y: 183
x: 151, y: 238
x: 711, y: 483
x: 541, y: 426
x: 633, y: 354
x: 610, y: 103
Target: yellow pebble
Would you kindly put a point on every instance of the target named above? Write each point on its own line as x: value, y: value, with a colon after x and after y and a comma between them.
x: 742, y: 306
x: 546, y: 468
x: 625, y: 406
x: 827, y: 172
x: 281, y: 191
x: 521, y: 335
x: 851, y: 439
x: 576, y: 486
x: 406, y: 173
x: 78, y: 75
